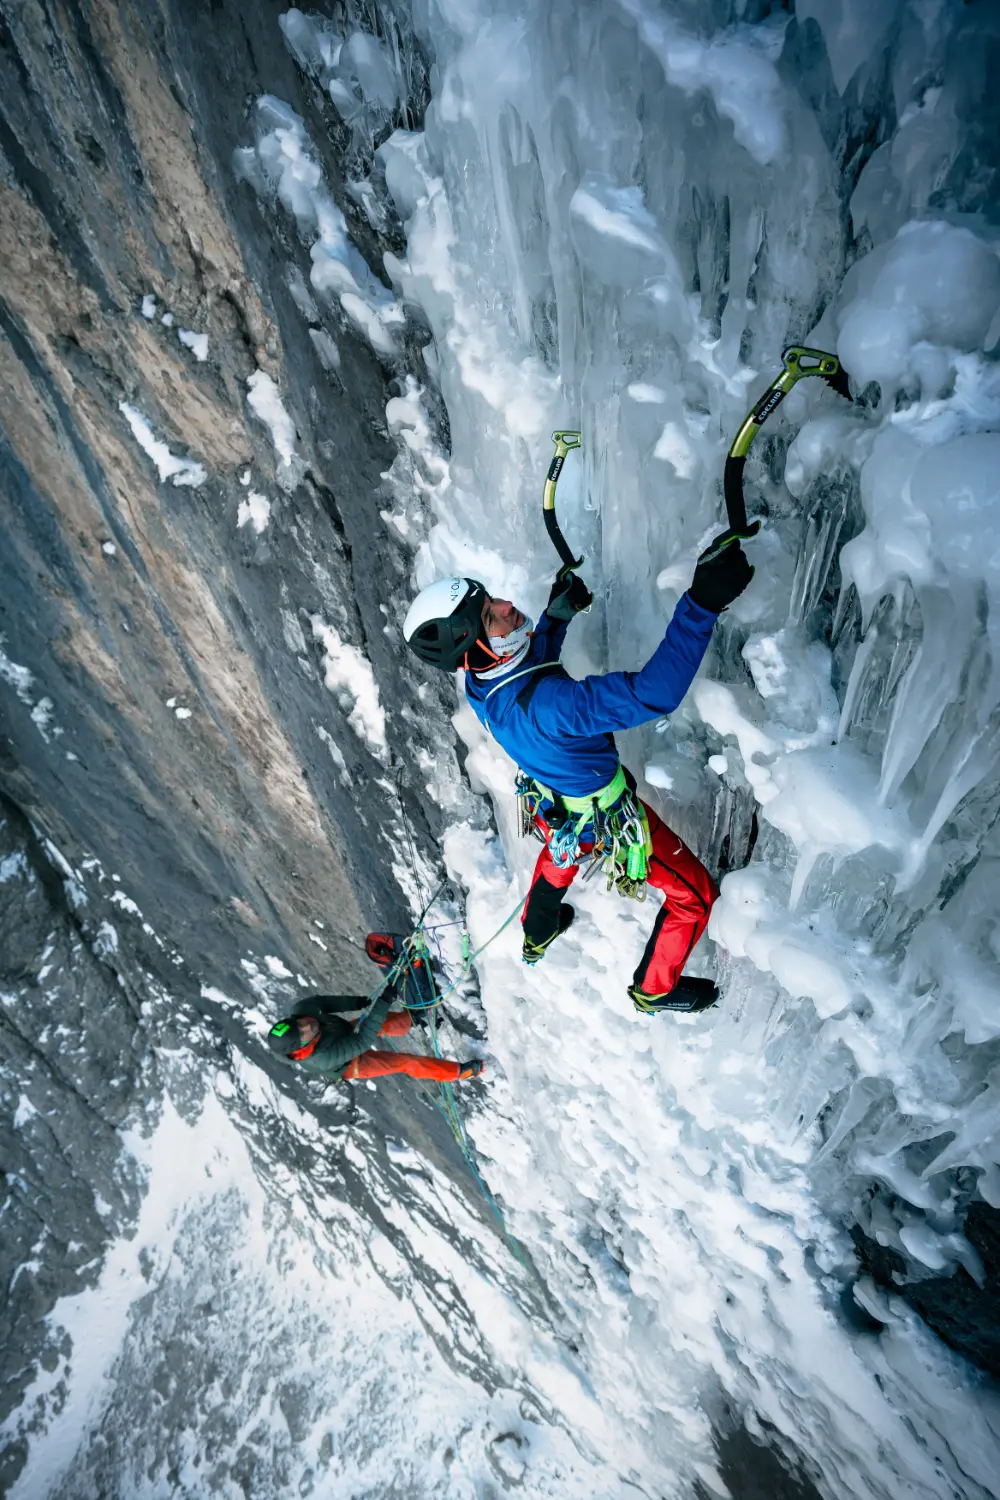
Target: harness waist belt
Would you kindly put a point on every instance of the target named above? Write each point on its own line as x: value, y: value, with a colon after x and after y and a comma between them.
x: 605, y: 796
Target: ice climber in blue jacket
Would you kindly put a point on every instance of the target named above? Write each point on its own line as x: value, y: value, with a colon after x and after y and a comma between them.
x: 575, y: 794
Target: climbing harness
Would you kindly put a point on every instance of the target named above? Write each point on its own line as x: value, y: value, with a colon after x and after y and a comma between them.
x: 621, y: 840
x: 798, y: 362
x: 565, y: 443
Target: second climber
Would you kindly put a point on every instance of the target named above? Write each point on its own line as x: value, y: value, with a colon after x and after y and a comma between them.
x: 316, y: 1035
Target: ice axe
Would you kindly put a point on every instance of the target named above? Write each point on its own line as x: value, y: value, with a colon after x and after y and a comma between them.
x: 565, y: 442
x: 798, y: 362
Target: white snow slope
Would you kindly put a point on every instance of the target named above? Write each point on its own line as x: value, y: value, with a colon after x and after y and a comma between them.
x: 250, y: 1342
x: 617, y: 215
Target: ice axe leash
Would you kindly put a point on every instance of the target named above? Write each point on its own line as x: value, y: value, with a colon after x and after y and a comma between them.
x: 565, y: 443
x: 798, y: 362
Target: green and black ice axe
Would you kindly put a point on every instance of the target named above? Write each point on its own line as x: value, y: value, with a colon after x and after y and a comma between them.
x: 798, y: 362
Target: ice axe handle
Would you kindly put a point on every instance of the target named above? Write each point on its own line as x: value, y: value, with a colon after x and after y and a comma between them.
x: 727, y: 538
x: 569, y: 562
x: 798, y: 361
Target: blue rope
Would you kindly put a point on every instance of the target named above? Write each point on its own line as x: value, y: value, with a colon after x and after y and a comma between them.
x: 447, y: 1104
x: 467, y: 965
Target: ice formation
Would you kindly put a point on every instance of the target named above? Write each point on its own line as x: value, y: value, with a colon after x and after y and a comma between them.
x: 283, y: 163
x: 688, y: 1185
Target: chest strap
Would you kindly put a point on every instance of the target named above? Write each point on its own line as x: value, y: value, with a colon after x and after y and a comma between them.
x: 534, y: 676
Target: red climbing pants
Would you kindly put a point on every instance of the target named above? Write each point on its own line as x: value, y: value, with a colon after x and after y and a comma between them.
x: 689, y: 893
x: 378, y: 1064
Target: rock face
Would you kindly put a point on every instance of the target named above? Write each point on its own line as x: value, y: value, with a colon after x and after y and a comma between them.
x: 150, y: 643
x: 166, y: 732
x: 70, y: 1043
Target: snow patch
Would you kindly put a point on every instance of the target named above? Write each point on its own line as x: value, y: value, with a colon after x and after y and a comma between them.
x: 16, y: 676
x: 254, y: 511
x: 336, y: 755
x: 266, y: 404
x: 180, y: 471
x: 196, y: 342
x: 13, y: 867
x: 348, y: 674
x: 283, y: 164
x: 41, y: 717
x: 326, y: 350
x: 126, y: 903
x: 24, y: 1112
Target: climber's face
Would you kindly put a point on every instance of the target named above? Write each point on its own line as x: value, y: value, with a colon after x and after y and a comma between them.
x: 500, y: 617
x: 308, y: 1029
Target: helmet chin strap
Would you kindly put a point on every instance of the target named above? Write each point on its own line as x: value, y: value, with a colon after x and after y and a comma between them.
x: 514, y: 648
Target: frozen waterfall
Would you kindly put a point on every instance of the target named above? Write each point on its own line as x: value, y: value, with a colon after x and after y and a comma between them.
x: 616, y: 216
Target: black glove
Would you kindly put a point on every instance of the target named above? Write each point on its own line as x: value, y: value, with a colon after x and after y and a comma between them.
x: 567, y: 597
x: 721, y: 576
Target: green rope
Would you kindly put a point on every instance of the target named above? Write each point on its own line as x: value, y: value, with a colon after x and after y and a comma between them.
x: 446, y: 1104
x: 467, y: 965
x: 449, y: 1109
x: 416, y: 940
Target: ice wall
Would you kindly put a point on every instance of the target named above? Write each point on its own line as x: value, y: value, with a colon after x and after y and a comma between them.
x: 615, y: 218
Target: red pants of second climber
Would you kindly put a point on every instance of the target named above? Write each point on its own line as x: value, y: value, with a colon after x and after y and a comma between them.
x: 689, y: 893
x: 377, y: 1064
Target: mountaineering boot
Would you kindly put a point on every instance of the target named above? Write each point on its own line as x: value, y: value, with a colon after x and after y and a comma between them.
x: 531, y: 951
x: 687, y: 995
x: 475, y: 1068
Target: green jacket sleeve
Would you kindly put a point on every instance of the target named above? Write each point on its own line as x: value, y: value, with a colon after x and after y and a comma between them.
x: 372, y: 1024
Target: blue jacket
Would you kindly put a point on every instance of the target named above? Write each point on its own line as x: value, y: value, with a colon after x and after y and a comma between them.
x: 563, y: 738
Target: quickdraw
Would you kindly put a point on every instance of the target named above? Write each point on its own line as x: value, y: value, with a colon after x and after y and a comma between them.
x: 798, y: 362
x: 622, y: 844
x: 622, y: 847
x: 529, y: 798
